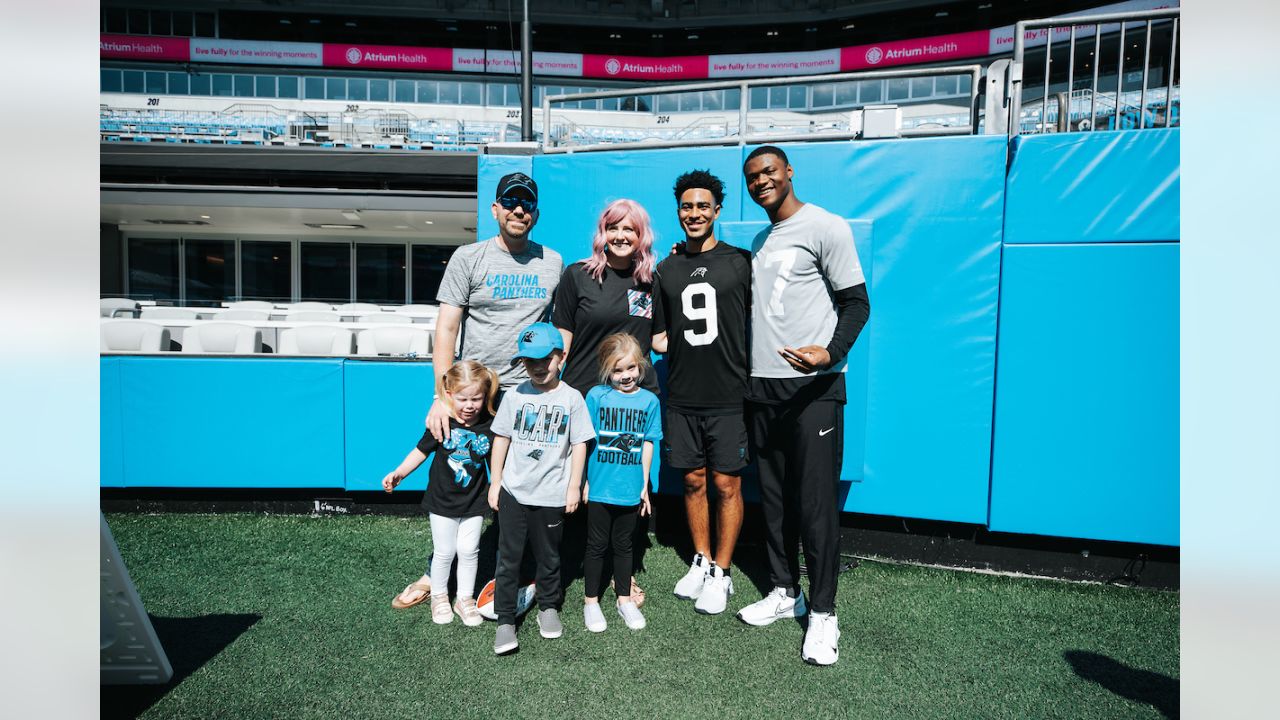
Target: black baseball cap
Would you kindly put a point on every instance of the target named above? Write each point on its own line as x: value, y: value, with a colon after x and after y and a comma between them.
x: 517, y: 181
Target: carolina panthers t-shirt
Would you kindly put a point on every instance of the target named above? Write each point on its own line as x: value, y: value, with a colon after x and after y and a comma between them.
x: 543, y: 426
x: 458, y: 477
x: 502, y: 293
x: 594, y: 310
x: 701, y: 302
x: 623, y: 422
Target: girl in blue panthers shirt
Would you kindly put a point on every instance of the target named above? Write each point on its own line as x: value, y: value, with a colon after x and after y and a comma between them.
x: 628, y: 423
x: 457, y: 492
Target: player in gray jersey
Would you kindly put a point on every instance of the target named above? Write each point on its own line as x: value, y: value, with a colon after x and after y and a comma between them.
x: 809, y: 302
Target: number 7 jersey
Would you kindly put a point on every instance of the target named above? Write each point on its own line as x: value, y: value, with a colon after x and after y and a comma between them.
x: 702, y: 301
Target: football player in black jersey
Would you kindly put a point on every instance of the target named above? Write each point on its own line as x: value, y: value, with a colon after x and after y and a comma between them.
x: 701, y: 300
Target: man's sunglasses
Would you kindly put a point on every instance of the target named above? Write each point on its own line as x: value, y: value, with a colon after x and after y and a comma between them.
x: 510, y: 203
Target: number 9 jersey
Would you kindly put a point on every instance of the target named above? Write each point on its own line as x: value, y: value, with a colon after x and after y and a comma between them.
x: 702, y: 302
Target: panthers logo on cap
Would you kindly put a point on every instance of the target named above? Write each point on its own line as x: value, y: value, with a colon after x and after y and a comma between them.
x: 528, y: 336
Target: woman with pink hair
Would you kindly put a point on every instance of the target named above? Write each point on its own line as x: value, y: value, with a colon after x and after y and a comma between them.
x: 607, y: 293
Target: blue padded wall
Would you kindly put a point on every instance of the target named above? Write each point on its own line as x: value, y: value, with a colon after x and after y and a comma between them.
x: 936, y: 206
x: 1086, y: 432
x: 110, y: 435
x: 1086, y: 425
x: 1095, y: 187
x: 386, y: 409
x: 574, y: 189
x: 231, y: 423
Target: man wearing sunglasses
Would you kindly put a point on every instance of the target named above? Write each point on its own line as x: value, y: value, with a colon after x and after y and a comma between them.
x: 499, y: 286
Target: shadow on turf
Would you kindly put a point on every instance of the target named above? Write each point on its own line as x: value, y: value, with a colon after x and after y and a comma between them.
x: 189, y: 643
x: 1144, y: 686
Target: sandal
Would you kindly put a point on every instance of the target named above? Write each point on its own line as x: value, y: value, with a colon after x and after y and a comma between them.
x: 416, y: 586
x: 637, y: 594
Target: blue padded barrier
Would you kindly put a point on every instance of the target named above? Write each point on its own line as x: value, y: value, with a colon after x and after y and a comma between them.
x: 386, y: 409
x: 110, y: 434
x: 1094, y: 187
x: 937, y: 207
x: 231, y: 423
x: 574, y: 189
x: 1086, y: 430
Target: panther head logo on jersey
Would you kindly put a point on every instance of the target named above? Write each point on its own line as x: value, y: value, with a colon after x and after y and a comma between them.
x: 626, y: 442
x: 536, y: 454
x: 699, y: 272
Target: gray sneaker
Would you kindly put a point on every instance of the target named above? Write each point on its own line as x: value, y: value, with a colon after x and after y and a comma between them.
x: 505, y: 640
x: 549, y: 623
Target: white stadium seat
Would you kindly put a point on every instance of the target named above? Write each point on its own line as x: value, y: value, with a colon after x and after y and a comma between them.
x: 394, y: 340
x: 308, y: 305
x: 244, y: 315
x: 358, y: 307
x: 116, y: 307
x: 312, y: 316
x: 252, y: 305
x: 381, y: 317
x: 171, y: 313
x: 316, y: 340
x: 428, y: 310
x: 133, y: 336
x: 222, y: 337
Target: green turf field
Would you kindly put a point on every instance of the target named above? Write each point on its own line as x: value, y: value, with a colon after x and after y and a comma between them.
x: 269, y: 616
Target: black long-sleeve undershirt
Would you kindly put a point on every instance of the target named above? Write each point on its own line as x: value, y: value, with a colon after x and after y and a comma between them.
x: 853, y: 307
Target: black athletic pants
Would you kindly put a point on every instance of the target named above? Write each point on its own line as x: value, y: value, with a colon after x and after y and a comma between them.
x: 542, y: 528
x: 799, y: 448
x: 605, y: 521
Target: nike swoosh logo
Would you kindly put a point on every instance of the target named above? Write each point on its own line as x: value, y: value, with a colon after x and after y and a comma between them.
x: 551, y: 526
x: 821, y: 433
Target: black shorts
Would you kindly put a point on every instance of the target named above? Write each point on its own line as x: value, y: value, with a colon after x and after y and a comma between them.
x: 716, y: 442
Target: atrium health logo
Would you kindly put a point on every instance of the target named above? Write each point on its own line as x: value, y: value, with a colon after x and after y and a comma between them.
x: 354, y: 55
x: 612, y: 66
x: 874, y: 56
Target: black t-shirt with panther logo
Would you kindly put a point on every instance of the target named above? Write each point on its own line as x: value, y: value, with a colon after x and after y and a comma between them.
x: 702, y: 302
x: 458, y: 478
x: 593, y: 311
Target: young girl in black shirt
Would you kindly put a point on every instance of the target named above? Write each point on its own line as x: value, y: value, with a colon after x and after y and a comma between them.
x: 457, y: 492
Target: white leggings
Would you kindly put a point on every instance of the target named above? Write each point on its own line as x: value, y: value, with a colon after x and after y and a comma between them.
x: 455, y: 536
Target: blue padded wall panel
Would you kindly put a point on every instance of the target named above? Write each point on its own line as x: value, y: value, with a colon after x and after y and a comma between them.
x: 491, y: 169
x: 936, y: 205
x: 1086, y: 429
x: 387, y: 404
x: 574, y: 189
x: 232, y: 423
x: 110, y: 437
x: 1095, y: 187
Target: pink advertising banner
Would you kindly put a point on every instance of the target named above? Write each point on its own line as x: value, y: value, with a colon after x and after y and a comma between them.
x: 938, y: 48
x: 388, y: 57
x: 137, y: 47
x: 691, y: 67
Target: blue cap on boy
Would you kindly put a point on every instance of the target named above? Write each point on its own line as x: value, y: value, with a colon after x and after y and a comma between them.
x: 537, y: 341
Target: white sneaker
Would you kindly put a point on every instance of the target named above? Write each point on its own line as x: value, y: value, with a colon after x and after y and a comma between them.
x: 821, y: 640
x: 716, y: 589
x: 774, y: 606
x: 690, y: 586
x: 631, y: 615
x: 593, y: 617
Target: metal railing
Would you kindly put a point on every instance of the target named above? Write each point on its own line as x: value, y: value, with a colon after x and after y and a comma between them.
x: 1097, y: 26
x: 559, y: 141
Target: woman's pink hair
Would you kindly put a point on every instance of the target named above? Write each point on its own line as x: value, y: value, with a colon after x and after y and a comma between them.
x: 642, y: 260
